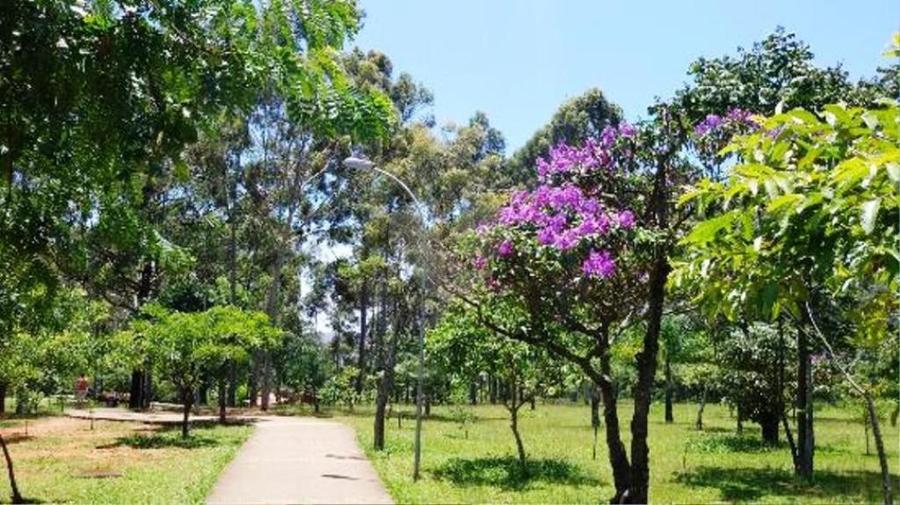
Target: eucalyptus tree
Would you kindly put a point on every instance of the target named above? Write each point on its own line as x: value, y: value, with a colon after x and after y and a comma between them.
x: 575, y: 121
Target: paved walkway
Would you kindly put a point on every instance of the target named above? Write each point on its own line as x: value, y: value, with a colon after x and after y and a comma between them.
x: 299, y: 460
x: 287, y: 460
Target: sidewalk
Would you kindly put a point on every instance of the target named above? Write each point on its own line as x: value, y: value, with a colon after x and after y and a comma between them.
x: 299, y: 460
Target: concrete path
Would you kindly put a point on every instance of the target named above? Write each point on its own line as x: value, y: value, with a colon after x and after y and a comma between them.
x: 299, y: 460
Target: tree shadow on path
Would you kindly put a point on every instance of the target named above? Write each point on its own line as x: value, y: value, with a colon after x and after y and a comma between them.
x: 751, y: 484
x: 508, y: 474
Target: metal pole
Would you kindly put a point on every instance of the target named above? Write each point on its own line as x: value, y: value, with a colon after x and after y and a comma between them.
x: 419, y: 386
x: 358, y: 163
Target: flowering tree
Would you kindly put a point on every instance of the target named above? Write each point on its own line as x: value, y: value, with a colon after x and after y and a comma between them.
x: 583, y: 256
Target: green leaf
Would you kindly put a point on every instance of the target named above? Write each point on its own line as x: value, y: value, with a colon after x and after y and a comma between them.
x: 869, y: 213
x: 706, y: 231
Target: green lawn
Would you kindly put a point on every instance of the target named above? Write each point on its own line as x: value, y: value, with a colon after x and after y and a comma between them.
x: 715, y: 465
x: 64, y: 461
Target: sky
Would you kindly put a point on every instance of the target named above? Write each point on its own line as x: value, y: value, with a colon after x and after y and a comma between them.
x: 518, y: 60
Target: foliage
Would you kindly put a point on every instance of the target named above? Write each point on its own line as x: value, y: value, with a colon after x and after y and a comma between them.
x: 811, y: 203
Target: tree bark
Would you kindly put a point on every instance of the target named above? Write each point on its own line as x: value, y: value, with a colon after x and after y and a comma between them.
x: 223, y: 401
x: 473, y: 393
x: 769, y: 428
x: 646, y: 359
x: 513, y: 406
x: 669, y: 416
x: 16, y: 496
x: 618, y: 457
x: 2, y: 398
x: 595, y: 416
x: 699, y: 423
x: 805, y: 439
x: 187, y: 397
x: 136, y: 393
x: 879, y: 446
x: 253, y: 381
x: 272, y: 298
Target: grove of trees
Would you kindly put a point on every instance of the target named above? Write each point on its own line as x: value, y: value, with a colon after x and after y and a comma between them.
x: 177, y: 223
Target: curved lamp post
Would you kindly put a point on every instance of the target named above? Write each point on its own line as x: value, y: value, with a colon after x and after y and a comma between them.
x: 363, y: 164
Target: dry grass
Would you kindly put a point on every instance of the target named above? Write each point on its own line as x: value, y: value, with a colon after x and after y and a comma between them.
x: 63, y: 460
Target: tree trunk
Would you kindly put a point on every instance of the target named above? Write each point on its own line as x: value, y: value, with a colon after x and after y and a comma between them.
x: 16, y: 496
x: 699, y: 423
x: 223, y: 401
x: 805, y: 439
x: 639, y: 491
x: 882, y: 456
x: 147, y: 392
x: 253, y: 381
x: 136, y: 393
x: 769, y: 426
x: 513, y: 406
x: 2, y: 398
x: 380, y: 409
x: 790, y: 438
x: 272, y: 298
x: 187, y: 398
x: 618, y: 457
x: 669, y: 417
x: 473, y: 393
x: 361, y: 348
x: 595, y: 416
x: 203, y: 393
x: 492, y: 388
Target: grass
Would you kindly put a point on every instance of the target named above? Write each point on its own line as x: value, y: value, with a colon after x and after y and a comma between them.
x: 715, y: 465
x: 64, y: 461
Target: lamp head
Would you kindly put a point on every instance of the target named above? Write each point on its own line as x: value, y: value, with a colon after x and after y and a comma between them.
x: 358, y: 163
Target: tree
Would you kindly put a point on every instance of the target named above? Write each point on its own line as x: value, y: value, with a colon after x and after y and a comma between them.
x: 809, y: 209
x: 187, y: 346
x: 571, y: 255
x: 576, y: 120
x: 463, y: 347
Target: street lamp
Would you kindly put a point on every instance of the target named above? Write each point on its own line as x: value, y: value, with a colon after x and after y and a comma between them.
x: 355, y: 163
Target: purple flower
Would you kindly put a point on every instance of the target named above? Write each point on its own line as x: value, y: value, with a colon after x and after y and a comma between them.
x: 710, y: 123
x: 626, y: 219
x: 480, y: 262
x: 626, y: 130
x: 505, y: 249
x: 546, y: 236
x: 599, y: 264
x: 566, y: 240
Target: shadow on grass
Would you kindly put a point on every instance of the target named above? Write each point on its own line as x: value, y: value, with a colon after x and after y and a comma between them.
x: 507, y: 473
x: 751, y: 484
x: 732, y: 443
x: 161, y: 440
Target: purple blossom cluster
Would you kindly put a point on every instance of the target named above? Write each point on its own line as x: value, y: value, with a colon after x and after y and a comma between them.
x: 563, y: 216
x: 734, y: 118
x: 594, y: 154
x: 599, y: 264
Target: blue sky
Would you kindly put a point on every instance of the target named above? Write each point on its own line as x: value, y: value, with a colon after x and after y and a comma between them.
x: 517, y: 60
